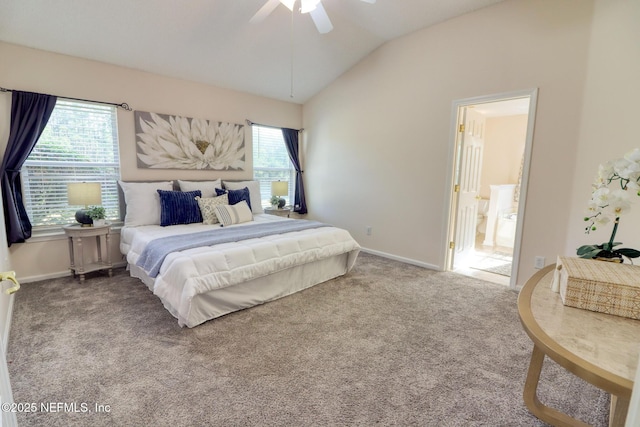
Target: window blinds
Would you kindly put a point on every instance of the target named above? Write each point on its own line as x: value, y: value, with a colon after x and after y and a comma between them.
x: 79, y: 143
x: 271, y: 162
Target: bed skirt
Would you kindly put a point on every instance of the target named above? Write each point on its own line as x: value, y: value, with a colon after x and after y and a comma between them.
x: 218, y: 302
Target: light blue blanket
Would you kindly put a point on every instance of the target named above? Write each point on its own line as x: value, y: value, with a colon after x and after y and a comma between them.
x: 157, y: 250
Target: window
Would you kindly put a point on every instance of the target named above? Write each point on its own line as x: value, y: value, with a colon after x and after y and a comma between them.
x: 271, y: 162
x: 79, y: 143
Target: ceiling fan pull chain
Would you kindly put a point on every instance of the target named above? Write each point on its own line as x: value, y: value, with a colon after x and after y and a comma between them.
x: 291, y: 41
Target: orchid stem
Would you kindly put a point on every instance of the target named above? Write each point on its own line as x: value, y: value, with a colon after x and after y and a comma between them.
x: 613, y: 233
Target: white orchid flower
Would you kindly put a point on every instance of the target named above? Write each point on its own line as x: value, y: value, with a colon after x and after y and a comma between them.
x: 619, y: 202
x: 592, y: 208
x: 630, y: 171
x: 605, y: 172
x: 633, y: 155
x: 600, y: 196
x: 602, y: 220
x: 620, y: 166
x: 633, y: 186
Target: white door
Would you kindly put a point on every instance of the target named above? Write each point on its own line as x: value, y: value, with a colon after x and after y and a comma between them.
x: 8, y: 285
x: 471, y: 140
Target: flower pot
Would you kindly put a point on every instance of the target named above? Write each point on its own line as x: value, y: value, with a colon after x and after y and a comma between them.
x: 98, y: 222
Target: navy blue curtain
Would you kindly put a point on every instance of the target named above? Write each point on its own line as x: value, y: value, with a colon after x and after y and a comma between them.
x: 291, y: 142
x: 29, y: 115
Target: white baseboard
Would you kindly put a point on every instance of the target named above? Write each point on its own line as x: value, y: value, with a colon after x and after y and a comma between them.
x: 402, y: 259
x: 49, y: 276
x: 65, y: 273
x: 57, y: 275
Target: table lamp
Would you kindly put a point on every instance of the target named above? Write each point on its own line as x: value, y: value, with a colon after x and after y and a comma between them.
x: 84, y: 193
x: 280, y: 188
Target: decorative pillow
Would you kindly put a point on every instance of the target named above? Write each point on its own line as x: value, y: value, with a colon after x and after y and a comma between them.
x: 179, y: 207
x: 236, y: 196
x: 254, y: 193
x: 143, y: 201
x: 234, y: 214
x: 207, y: 207
x: 208, y: 188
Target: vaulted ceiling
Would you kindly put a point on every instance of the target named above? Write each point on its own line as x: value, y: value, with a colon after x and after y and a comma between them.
x: 212, y: 41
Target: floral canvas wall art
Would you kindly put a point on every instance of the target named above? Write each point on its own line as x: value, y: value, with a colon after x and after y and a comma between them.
x: 174, y: 142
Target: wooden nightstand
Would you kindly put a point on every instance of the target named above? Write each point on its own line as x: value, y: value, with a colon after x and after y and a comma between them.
x: 76, y: 234
x: 278, y: 211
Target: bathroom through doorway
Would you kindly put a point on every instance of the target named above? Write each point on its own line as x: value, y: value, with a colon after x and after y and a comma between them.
x: 490, y: 164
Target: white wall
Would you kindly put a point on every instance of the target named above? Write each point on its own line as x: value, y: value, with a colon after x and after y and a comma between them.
x: 37, y: 71
x: 378, y: 137
x: 503, y: 149
x: 376, y: 142
x: 609, y: 123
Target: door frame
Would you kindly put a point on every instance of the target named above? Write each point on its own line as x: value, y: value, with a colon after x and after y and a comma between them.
x: 8, y: 286
x: 451, y: 197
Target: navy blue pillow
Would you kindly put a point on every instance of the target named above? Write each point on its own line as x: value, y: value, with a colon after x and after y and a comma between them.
x: 179, y: 207
x: 236, y: 196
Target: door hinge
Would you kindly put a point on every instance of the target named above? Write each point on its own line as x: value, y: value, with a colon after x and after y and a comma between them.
x: 456, y: 188
x: 452, y: 245
x: 461, y: 128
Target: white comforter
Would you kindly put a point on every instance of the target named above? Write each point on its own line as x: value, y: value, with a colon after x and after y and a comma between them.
x: 191, y: 272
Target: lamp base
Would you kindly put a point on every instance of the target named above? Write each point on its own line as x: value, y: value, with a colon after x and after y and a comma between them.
x: 83, y: 218
x: 281, y: 203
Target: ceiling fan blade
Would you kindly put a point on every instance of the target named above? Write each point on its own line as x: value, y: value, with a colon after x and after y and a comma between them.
x: 264, y: 11
x: 369, y: 1
x: 321, y: 19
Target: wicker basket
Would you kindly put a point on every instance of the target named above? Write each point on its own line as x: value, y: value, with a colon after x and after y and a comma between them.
x: 601, y: 286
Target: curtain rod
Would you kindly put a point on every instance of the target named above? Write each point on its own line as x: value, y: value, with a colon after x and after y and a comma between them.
x: 250, y: 123
x: 123, y: 105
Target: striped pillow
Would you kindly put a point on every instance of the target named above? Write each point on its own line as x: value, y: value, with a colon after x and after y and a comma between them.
x: 233, y: 214
x: 208, y: 207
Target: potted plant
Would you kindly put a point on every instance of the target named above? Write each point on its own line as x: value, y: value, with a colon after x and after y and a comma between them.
x: 97, y: 214
x: 608, y: 204
x: 274, y: 201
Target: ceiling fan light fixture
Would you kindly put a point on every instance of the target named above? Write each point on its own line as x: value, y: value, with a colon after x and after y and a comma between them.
x: 288, y: 3
x: 308, y: 5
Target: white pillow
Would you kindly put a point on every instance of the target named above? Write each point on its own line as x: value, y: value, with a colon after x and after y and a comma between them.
x: 143, y: 201
x: 254, y: 193
x: 208, y: 188
x: 234, y: 214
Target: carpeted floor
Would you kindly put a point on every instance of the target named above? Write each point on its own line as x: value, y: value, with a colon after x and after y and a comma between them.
x: 389, y: 344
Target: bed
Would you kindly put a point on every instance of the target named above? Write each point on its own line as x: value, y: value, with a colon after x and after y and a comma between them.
x: 205, y: 275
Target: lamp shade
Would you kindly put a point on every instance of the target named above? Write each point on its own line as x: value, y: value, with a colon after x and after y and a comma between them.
x: 279, y: 188
x: 84, y: 193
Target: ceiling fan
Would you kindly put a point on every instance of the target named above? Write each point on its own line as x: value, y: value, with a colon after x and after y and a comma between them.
x: 312, y: 7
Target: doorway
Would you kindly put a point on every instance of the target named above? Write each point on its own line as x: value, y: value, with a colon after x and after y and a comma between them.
x: 489, y: 165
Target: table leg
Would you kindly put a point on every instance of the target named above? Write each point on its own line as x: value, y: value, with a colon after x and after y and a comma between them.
x: 99, y: 246
x: 545, y: 413
x: 619, y: 409
x: 71, y: 257
x: 80, y: 269
x: 108, y: 249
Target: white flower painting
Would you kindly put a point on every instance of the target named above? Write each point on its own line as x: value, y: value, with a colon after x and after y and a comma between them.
x: 174, y: 142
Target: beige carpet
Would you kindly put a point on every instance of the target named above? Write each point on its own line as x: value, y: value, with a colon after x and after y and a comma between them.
x: 389, y: 344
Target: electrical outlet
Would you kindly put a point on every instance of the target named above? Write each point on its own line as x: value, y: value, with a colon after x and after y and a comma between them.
x: 369, y: 230
x: 539, y: 262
